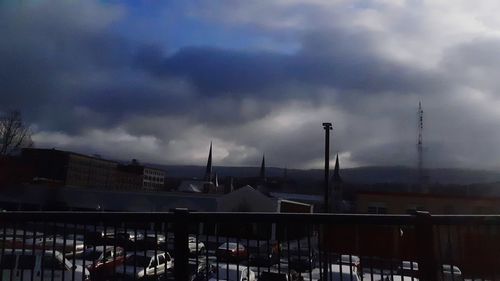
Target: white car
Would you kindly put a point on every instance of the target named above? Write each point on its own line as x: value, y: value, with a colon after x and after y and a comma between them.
x: 196, y: 247
x: 232, y: 272
x: 48, y: 264
x: 448, y: 272
x: 452, y: 273
x: 66, y: 246
x: 140, y: 265
x: 337, y: 273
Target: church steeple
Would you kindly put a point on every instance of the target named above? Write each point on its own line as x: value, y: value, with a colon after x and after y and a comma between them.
x: 208, y: 171
x: 336, y: 172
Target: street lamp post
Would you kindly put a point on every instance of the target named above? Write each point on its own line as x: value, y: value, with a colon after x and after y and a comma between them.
x: 327, y: 127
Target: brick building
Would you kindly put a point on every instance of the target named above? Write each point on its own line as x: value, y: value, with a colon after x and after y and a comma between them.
x: 407, y: 203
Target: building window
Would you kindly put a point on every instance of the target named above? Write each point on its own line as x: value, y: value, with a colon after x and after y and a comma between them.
x: 377, y: 208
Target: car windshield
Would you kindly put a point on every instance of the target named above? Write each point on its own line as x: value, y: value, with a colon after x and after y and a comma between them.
x: 230, y: 246
x: 138, y: 261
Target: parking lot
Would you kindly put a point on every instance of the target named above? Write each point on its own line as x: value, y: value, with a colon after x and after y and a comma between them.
x: 299, y: 260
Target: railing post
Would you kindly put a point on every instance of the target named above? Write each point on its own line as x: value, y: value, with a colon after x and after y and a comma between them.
x: 427, y: 262
x: 181, y: 255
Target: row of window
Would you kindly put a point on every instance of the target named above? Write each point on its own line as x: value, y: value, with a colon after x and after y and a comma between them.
x: 152, y: 184
x: 156, y: 179
x: 154, y: 173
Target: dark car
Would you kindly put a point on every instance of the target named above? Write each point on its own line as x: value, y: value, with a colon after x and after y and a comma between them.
x: 93, y: 238
x: 273, y: 276
x: 266, y: 255
x: 121, y: 239
x: 302, y: 261
x: 150, y: 241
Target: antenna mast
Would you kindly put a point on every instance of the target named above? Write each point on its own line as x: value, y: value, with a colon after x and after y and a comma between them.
x: 420, y: 119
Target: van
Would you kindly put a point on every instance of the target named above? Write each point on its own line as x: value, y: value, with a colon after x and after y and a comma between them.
x: 26, y: 265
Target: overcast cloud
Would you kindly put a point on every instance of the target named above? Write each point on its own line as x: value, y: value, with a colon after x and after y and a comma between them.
x: 158, y: 82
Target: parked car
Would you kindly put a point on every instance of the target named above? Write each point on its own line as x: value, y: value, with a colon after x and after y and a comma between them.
x: 449, y: 272
x: 266, y: 255
x: 93, y: 238
x: 408, y: 268
x: 145, y: 265
x: 232, y: 272
x: 352, y: 260
x: 121, y: 239
x: 303, y: 260
x: 66, y: 246
x: 273, y: 276
x: 200, y: 272
x: 149, y: 241
x: 338, y: 272
x: 101, y: 261
x: 17, y: 242
x: 231, y: 251
x: 44, y: 264
x: 196, y: 247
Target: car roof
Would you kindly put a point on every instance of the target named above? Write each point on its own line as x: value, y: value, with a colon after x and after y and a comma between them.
x: 101, y: 248
x: 149, y: 253
x: 447, y: 269
x: 230, y: 244
x: 232, y: 266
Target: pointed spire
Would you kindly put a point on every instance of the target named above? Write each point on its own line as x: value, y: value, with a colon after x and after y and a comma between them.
x: 208, y: 171
x: 263, y: 167
x: 336, y: 171
x: 216, y: 180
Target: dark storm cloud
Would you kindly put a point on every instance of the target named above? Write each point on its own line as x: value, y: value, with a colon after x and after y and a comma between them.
x: 50, y: 49
x: 88, y: 88
x: 330, y: 58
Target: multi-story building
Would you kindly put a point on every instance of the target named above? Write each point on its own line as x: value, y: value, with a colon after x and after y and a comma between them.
x: 145, y: 177
x: 153, y: 178
x: 75, y: 169
x: 70, y: 168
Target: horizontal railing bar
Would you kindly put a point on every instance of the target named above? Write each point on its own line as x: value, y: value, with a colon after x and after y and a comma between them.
x: 226, y: 217
x: 83, y: 217
x: 465, y: 219
x: 301, y: 218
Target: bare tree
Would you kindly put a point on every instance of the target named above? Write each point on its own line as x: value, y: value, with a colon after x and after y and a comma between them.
x: 14, y: 133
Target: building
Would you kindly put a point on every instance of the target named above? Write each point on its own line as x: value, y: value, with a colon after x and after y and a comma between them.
x: 141, y: 176
x: 69, y: 168
x: 408, y: 203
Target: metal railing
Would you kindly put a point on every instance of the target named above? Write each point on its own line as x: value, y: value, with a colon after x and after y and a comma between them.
x: 182, y: 245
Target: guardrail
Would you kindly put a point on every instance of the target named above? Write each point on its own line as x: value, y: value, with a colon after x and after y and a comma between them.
x: 183, y: 245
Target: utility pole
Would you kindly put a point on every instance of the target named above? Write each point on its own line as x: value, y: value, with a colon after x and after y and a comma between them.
x: 327, y: 127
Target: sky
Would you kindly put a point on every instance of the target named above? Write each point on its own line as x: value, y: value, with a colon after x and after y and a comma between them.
x: 159, y: 80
